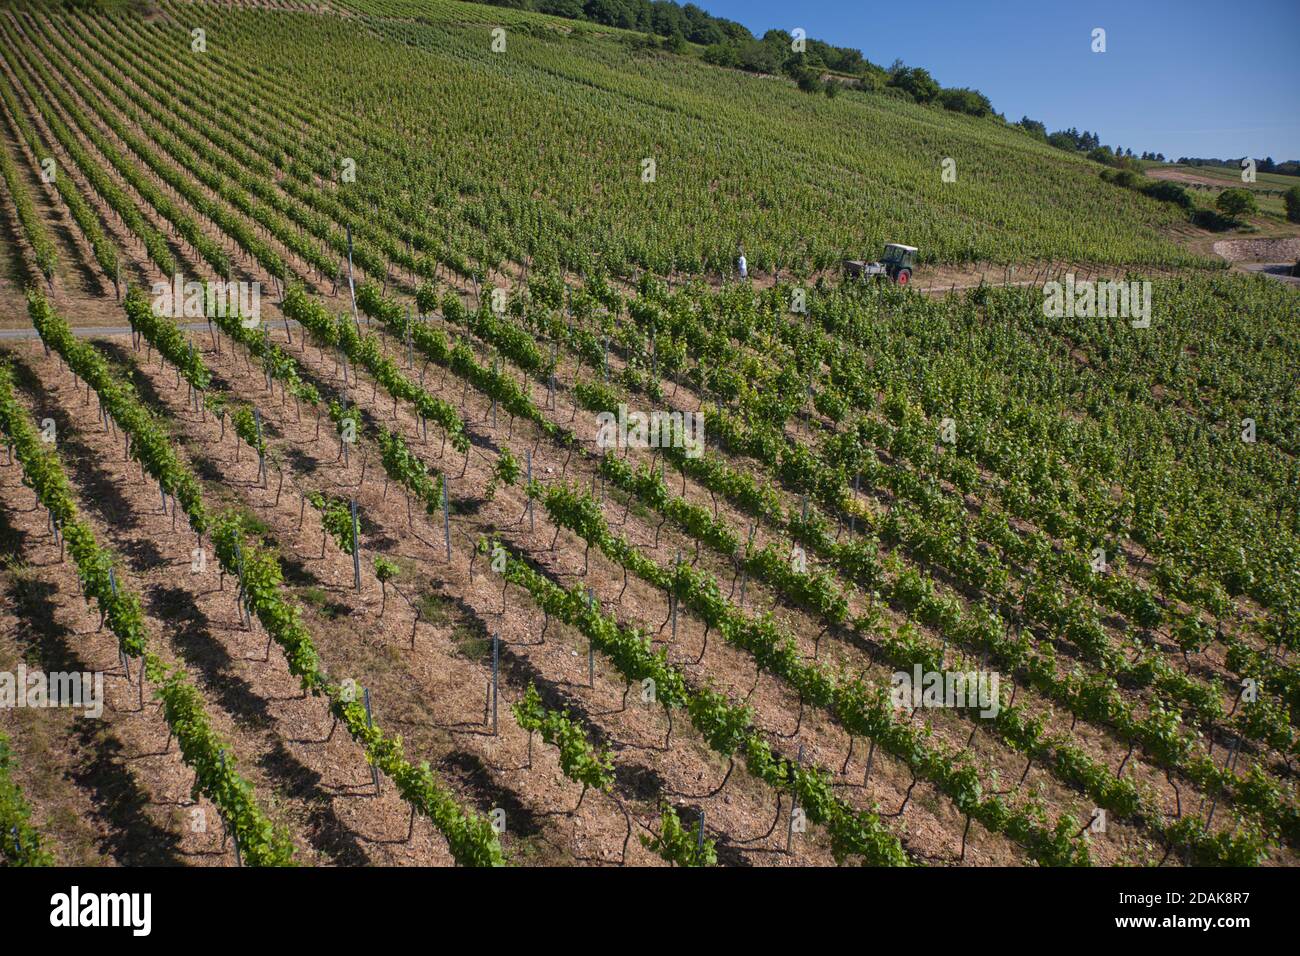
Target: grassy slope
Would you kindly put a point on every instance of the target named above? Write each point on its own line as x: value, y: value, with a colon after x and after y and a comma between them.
x: 1230, y: 177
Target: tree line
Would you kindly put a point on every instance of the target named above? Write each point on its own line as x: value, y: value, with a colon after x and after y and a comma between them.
x: 818, y: 67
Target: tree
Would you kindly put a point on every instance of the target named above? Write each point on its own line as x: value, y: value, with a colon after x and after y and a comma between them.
x: 1166, y: 191
x: 607, y: 12
x: 1126, y: 178
x: 917, y: 83
x: 1236, y: 202
x: 1061, y: 139
x: 1033, y: 127
x: 706, y: 34
x: 846, y: 59
x: 700, y: 27
x: 722, y: 54
x: 1292, y: 199
x: 808, y: 80
x: 758, y: 57
x: 733, y: 30
x: 965, y: 100
x: 572, y: 9
x: 1103, y: 155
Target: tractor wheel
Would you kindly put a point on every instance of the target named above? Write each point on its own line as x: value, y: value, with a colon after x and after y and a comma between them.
x: 904, y: 276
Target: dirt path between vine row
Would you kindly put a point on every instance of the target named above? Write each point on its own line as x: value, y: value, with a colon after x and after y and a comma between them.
x: 435, y: 693
x: 787, y: 719
x: 323, y: 791
x: 103, y: 791
x: 653, y: 614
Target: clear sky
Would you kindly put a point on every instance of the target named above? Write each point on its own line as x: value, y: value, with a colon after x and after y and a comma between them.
x: 1179, y: 77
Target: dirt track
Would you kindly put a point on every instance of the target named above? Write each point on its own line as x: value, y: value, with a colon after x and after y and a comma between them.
x: 1178, y: 176
x: 1259, y: 250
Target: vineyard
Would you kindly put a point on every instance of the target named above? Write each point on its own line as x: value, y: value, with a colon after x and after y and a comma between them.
x: 368, y: 584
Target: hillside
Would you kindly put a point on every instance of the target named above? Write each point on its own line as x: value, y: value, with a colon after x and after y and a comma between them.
x: 539, y: 150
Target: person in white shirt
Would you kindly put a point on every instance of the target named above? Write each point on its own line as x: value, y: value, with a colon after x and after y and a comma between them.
x: 742, y: 265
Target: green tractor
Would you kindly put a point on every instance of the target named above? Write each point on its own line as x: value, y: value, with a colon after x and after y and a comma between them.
x: 897, y: 265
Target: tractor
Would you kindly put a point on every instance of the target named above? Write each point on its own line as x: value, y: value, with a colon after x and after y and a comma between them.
x: 897, y: 265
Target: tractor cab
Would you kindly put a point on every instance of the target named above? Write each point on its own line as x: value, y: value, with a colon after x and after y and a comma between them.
x: 899, y: 256
x: 896, y: 265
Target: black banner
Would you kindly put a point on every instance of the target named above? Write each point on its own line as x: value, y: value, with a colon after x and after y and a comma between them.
x: 347, y: 906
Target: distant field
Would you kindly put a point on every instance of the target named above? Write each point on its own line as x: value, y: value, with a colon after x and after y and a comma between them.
x: 1232, y: 176
x: 1209, y: 181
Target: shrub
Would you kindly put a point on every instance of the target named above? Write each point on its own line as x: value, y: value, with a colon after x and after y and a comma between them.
x: 1211, y: 220
x: 1166, y: 191
x: 965, y: 100
x: 1103, y: 155
x: 916, y: 82
x: 758, y: 57
x: 1236, y: 202
x: 722, y: 54
x: 1126, y: 178
x: 1033, y: 127
x: 1292, y: 199
x: 809, y: 81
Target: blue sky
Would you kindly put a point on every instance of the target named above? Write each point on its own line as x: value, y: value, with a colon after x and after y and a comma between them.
x: 1187, y: 78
